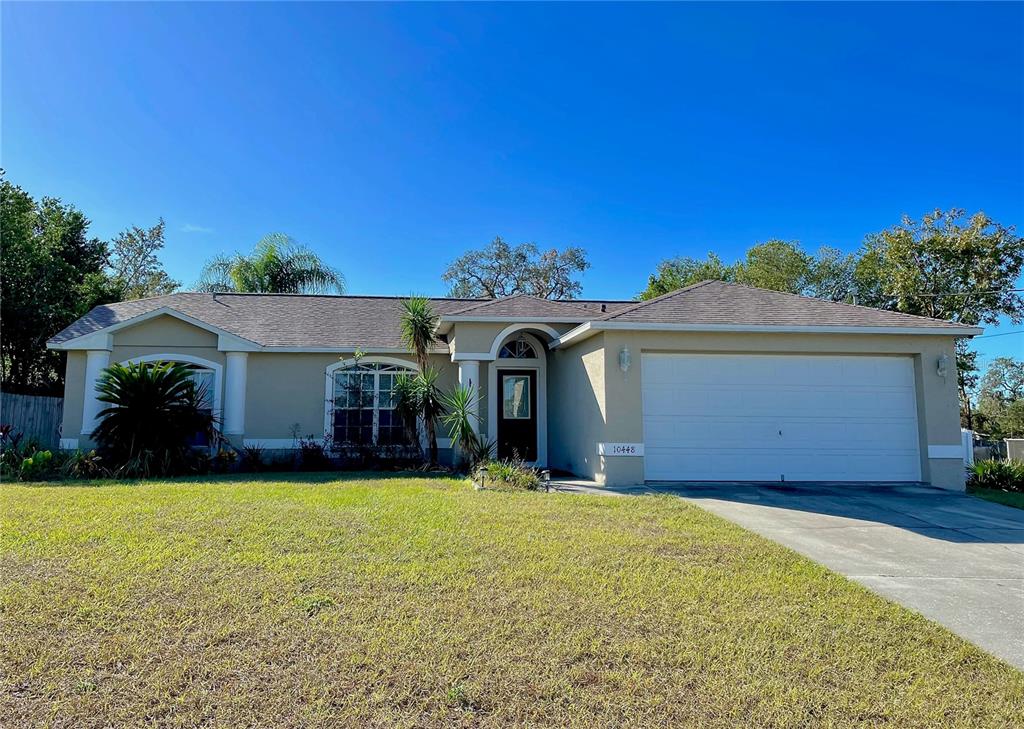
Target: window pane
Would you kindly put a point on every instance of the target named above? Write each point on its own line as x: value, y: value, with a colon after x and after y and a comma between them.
x: 516, y: 397
x: 203, y: 380
x: 354, y: 411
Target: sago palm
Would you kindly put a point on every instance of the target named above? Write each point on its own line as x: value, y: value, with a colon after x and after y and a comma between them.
x: 277, y: 265
x: 153, y: 411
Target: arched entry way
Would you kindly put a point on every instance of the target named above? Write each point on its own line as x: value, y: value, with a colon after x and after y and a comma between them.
x: 517, y: 393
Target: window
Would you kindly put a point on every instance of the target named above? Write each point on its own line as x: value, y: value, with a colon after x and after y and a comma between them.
x: 516, y: 397
x: 364, y: 405
x: 517, y: 349
x: 204, y: 383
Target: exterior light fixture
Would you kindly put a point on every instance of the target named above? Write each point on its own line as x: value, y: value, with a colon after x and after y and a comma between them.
x: 625, y: 359
x: 942, y: 366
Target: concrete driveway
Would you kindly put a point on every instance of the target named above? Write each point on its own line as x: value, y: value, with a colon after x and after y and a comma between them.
x: 954, y: 558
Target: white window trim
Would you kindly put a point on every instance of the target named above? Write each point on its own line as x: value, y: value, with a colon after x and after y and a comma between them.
x: 347, y: 364
x: 217, y: 369
x: 540, y: 365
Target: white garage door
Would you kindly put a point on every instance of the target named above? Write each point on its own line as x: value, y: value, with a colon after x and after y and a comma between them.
x: 774, y: 417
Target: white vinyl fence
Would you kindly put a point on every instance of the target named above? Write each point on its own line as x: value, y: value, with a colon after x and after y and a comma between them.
x: 967, y: 438
x: 35, y: 416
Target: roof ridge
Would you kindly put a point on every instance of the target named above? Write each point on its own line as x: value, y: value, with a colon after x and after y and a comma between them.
x: 841, y: 303
x: 485, y: 302
x: 663, y: 297
x: 297, y: 296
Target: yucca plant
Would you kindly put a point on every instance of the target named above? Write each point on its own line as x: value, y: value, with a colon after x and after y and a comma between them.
x: 419, y: 333
x: 154, y: 410
x: 431, y: 405
x: 462, y: 419
x: 407, y: 405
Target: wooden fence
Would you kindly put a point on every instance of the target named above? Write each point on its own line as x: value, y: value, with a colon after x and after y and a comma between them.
x: 37, y: 417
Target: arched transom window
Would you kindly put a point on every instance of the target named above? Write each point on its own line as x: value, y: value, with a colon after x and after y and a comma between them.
x: 517, y: 349
x: 364, y: 405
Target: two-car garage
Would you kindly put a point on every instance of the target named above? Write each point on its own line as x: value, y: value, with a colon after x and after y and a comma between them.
x: 754, y: 417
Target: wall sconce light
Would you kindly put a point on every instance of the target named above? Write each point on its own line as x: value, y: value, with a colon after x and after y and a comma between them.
x: 942, y: 366
x: 625, y: 359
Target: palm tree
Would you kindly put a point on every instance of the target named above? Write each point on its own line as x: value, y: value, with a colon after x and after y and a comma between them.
x: 277, y: 265
x: 419, y: 333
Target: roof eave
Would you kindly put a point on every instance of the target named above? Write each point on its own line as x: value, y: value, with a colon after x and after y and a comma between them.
x: 589, y: 329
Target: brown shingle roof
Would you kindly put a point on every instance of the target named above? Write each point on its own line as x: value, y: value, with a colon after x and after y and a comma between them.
x: 718, y: 302
x: 524, y: 305
x: 274, y: 320
x: 373, y: 322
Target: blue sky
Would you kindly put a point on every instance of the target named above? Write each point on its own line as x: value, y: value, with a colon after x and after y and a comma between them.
x: 391, y: 138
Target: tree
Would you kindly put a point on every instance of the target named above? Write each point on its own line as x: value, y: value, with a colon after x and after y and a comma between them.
x: 134, y: 269
x: 277, y: 265
x: 51, y: 273
x: 419, y: 333
x: 677, y: 273
x: 775, y: 264
x: 941, y: 268
x: 503, y: 270
x: 1003, y: 381
x: 1001, y: 397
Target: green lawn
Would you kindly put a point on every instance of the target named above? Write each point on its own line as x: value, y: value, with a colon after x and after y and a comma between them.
x: 417, y: 602
x: 1009, y: 498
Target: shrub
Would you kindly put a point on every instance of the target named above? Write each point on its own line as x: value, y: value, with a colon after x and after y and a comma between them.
x: 23, y: 460
x: 155, y: 411
x: 252, y: 458
x: 36, y: 467
x: 80, y: 464
x: 509, y: 474
x: 1001, y: 475
x: 313, y: 454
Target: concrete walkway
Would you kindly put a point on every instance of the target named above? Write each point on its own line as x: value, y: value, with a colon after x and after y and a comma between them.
x: 954, y: 558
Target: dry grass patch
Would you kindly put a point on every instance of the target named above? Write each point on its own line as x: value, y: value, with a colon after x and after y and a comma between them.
x: 420, y: 602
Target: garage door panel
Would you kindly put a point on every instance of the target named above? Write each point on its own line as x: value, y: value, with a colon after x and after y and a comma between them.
x: 764, y: 417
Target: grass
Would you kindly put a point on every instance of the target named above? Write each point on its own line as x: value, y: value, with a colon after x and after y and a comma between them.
x: 1007, y: 498
x: 420, y: 602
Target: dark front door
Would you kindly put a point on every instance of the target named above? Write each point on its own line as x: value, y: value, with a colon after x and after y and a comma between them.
x: 517, y: 414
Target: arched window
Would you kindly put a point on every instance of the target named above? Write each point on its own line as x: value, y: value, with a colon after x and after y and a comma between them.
x: 517, y: 349
x: 363, y: 405
x: 207, y: 378
x: 205, y: 381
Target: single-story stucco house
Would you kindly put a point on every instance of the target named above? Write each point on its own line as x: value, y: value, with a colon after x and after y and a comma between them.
x: 713, y: 382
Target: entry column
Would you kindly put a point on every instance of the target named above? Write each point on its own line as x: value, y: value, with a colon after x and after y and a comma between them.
x: 469, y: 377
x: 96, y: 360
x: 234, y: 393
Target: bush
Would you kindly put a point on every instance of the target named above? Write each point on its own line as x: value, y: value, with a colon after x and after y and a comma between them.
x: 313, y: 454
x: 36, y: 467
x: 1000, y: 475
x: 81, y: 464
x: 252, y: 458
x: 23, y: 460
x: 512, y: 475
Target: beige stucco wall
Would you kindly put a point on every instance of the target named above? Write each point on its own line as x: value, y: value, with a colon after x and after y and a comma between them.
x: 74, y: 394
x: 283, y: 389
x: 479, y: 337
x: 577, y: 416
x: 590, y: 400
x: 938, y: 407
